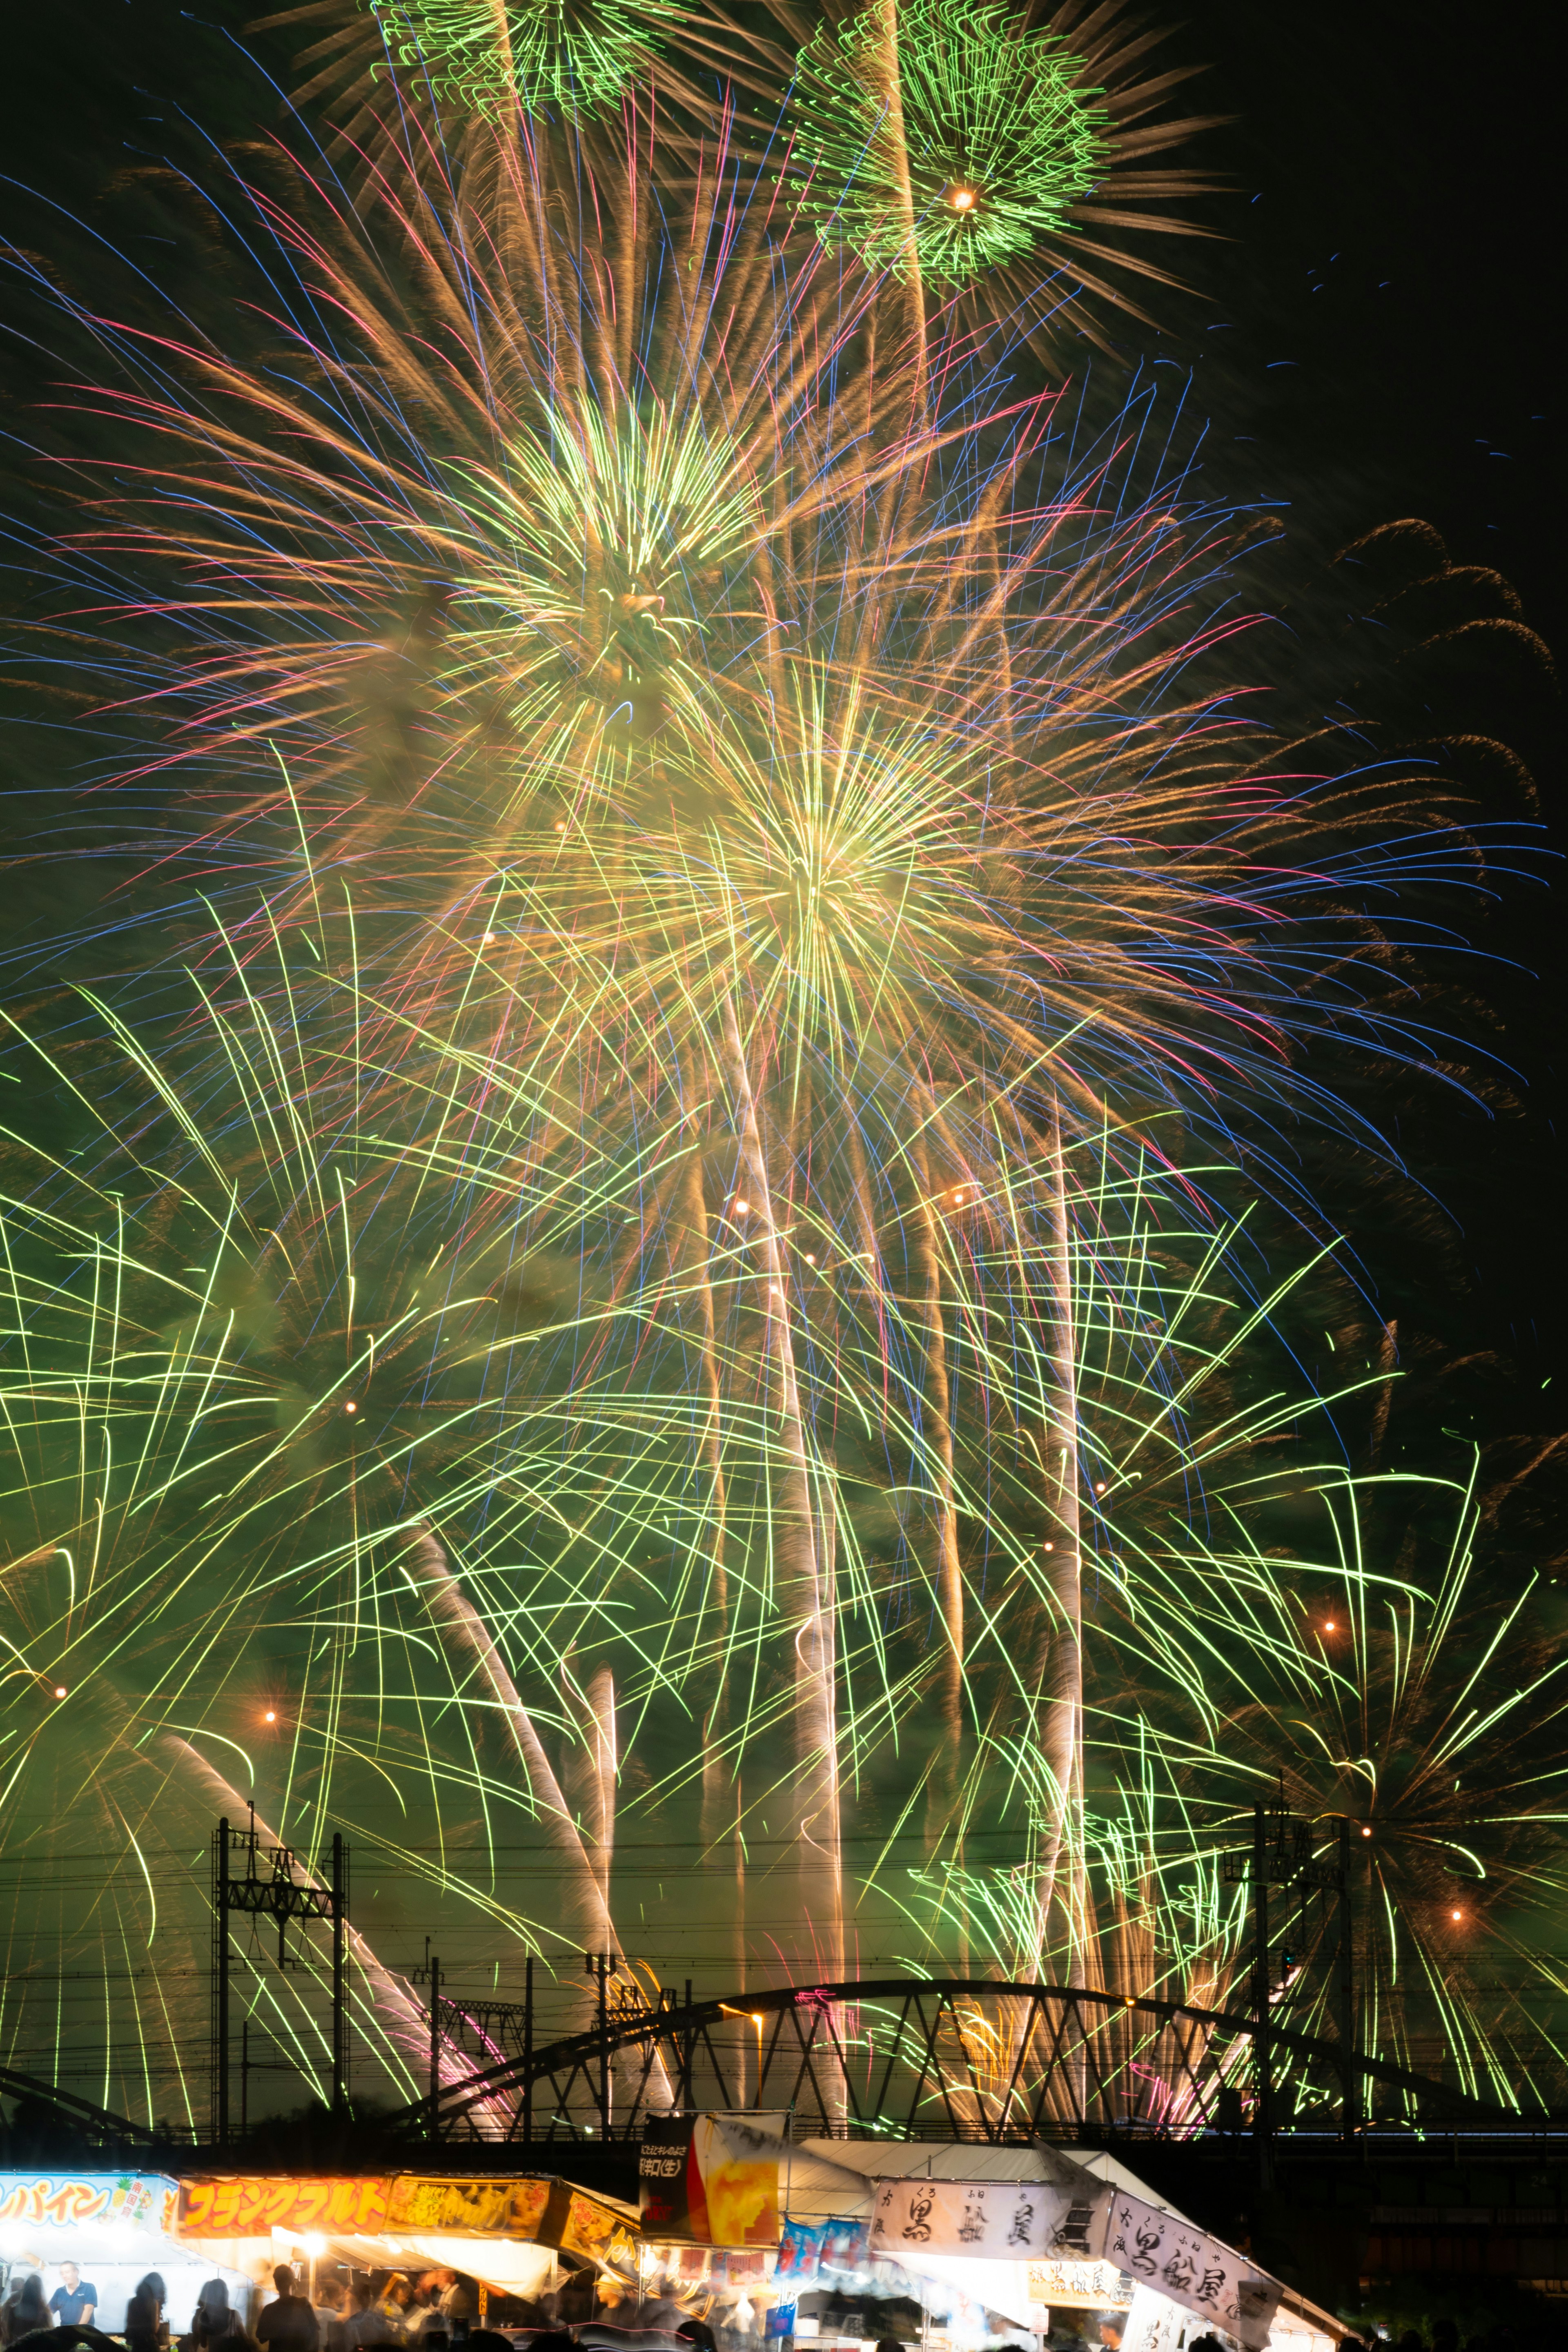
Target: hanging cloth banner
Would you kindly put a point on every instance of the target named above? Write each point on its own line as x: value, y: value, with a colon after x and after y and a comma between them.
x: 1006, y: 2220
x: 710, y: 2181
x: 1197, y: 2270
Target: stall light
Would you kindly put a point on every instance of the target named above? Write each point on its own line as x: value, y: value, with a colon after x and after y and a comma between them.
x: 270, y: 1716
x: 315, y: 2245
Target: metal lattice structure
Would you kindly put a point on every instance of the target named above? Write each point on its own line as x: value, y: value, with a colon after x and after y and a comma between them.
x: 912, y: 2058
x: 275, y: 1886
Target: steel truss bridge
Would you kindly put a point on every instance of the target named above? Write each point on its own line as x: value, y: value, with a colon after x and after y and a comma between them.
x: 900, y: 2058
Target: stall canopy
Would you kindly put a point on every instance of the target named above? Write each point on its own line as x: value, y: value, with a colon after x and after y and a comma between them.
x: 1112, y: 2231
x: 112, y: 2227
x: 505, y: 2231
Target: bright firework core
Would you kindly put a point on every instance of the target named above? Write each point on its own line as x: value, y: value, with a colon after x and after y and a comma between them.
x: 960, y: 196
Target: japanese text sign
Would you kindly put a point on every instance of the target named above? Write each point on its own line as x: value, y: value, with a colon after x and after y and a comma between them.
x: 1092, y: 2286
x: 484, y: 2208
x: 1007, y: 2220
x: 251, y: 2208
x: 710, y: 2179
x: 61, y: 2201
x: 1197, y: 2270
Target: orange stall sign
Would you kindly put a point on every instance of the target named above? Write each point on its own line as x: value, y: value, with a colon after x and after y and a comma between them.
x: 598, y: 2232
x: 253, y: 2207
x: 481, y: 2209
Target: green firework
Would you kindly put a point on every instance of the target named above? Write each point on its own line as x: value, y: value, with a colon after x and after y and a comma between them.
x: 1000, y: 137
x: 483, y: 54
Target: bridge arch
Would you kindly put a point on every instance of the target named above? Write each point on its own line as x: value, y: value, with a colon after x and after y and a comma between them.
x: 904, y: 2057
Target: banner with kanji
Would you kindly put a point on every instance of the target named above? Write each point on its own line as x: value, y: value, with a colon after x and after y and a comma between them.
x: 710, y: 2179
x: 462, y: 2208
x: 1194, y: 2269
x: 1007, y: 2220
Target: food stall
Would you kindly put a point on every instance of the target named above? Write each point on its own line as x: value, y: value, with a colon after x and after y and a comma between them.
x: 104, y: 2230
x: 516, y: 2236
x: 956, y: 2247
x: 762, y: 2238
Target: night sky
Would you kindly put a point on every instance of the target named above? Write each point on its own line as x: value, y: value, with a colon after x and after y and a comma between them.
x: 1370, y: 330
x: 1372, y: 341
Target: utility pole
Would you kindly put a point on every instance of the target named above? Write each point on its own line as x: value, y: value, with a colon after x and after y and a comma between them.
x: 434, y: 2040
x: 528, y: 2049
x: 1350, y: 2072
x: 220, y: 1986
x: 1263, y: 2090
x: 598, y: 1966
x: 1280, y: 1856
x: 277, y: 1893
x: 339, y: 1903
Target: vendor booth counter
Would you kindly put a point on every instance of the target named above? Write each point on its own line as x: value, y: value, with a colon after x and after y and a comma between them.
x: 110, y: 2228
x: 516, y: 2238
x: 950, y: 2247
x: 842, y: 2247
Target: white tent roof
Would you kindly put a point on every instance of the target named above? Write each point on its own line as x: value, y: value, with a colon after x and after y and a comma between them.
x: 877, y: 2159
x: 830, y: 2179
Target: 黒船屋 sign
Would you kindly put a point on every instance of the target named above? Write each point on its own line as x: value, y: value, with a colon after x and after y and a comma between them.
x: 1202, y: 2273
x: 993, y: 2221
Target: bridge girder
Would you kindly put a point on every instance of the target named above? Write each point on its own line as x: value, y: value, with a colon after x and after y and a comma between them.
x: 960, y: 2057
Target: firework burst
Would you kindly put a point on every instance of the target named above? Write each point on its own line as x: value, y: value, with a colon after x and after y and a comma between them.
x: 1002, y: 140
x: 559, y: 53
x: 731, y: 843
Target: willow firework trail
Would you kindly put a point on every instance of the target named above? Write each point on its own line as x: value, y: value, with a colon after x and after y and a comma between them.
x: 725, y: 896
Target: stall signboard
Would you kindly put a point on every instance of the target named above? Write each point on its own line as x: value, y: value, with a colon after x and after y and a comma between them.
x: 434, y: 2205
x: 710, y: 2180
x: 457, y: 2209
x: 252, y: 2207
x: 1080, y: 2285
x: 1161, y: 2250
x: 597, y: 2230
x: 1006, y: 2220
x: 59, y: 2200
